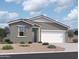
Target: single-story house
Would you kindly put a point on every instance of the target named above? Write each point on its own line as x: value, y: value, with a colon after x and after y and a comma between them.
x: 39, y: 28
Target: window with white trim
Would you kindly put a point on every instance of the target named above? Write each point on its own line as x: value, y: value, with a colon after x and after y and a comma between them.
x: 21, y: 30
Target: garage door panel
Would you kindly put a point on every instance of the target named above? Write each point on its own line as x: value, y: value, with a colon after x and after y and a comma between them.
x: 52, y: 36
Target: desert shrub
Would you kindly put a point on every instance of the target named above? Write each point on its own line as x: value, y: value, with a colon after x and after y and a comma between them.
x: 24, y: 45
x: 51, y: 46
x: 75, y: 40
x: 7, y: 47
x: 45, y: 43
x: 39, y: 42
x: 29, y: 42
x: 22, y: 42
x: 8, y: 41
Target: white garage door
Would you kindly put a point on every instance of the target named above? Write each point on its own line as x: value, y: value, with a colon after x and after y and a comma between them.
x: 52, y: 36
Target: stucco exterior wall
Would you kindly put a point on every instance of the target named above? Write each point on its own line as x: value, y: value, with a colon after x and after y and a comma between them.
x: 14, y: 33
x: 50, y: 26
x: 53, y: 26
x: 29, y: 35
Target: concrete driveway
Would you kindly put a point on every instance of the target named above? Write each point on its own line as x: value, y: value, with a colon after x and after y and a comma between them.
x: 69, y: 47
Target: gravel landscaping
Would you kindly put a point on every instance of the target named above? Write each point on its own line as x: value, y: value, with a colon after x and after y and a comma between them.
x: 34, y: 47
x: 40, y: 48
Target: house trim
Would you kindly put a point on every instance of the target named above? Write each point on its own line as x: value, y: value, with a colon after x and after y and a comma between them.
x: 54, y: 30
x: 21, y: 36
x: 19, y: 21
x: 18, y: 30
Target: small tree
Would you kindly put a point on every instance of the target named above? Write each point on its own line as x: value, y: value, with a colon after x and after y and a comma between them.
x: 76, y: 32
x: 7, y: 30
x: 70, y: 34
x: 2, y: 34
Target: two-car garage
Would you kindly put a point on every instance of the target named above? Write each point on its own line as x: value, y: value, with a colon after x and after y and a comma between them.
x: 53, y: 36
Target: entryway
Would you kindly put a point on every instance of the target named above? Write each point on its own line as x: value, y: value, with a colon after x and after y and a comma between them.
x: 35, y: 31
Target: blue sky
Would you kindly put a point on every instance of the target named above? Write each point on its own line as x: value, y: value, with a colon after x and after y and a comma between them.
x: 64, y: 11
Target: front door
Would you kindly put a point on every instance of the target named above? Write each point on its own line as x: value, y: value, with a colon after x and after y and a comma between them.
x: 35, y: 31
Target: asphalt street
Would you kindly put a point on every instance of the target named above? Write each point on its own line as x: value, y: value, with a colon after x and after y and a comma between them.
x: 66, y: 55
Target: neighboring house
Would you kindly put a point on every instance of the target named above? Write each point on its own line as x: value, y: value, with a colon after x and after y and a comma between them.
x: 39, y: 28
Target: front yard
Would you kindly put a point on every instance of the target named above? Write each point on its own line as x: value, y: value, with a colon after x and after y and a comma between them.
x: 34, y: 47
x: 39, y: 47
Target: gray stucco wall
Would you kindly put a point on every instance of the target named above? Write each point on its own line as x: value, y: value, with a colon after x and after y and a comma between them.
x: 29, y: 34
x: 66, y: 36
x: 14, y: 33
x: 50, y: 26
x: 53, y: 26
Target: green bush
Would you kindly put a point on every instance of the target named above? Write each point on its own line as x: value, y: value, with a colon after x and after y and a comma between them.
x: 8, y: 41
x: 7, y: 47
x: 75, y: 40
x: 39, y: 42
x: 45, y: 43
x: 51, y: 46
x: 22, y: 42
x: 29, y: 42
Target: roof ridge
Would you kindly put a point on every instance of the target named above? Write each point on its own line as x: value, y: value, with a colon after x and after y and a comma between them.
x: 19, y: 20
x: 50, y: 19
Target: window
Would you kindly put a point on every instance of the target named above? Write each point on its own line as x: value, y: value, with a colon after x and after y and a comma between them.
x: 21, y: 30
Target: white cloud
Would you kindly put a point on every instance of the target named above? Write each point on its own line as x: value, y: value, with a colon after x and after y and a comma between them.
x: 6, y: 16
x: 9, y: 0
x: 63, y: 4
x: 16, y: 1
x: 73, y: 15
x: 13, y: 15
x: 36, y: 6
x: 72, y: 18
x: 74, y: 24
x: 2, y: 25
x: 35, y: 13
x: 45, y: 14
